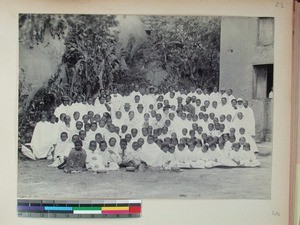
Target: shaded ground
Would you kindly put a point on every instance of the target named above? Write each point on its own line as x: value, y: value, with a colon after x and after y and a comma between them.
x: 37, y: 180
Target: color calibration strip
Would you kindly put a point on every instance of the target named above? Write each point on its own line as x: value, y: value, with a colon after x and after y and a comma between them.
x: 79, y: 209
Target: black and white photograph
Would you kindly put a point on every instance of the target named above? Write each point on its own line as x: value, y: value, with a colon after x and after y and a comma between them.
x: 143, y: 106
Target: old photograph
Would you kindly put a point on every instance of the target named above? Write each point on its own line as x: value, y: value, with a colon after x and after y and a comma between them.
x: 142, y: 106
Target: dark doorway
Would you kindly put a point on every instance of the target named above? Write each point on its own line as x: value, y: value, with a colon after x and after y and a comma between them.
x: 263, y: 81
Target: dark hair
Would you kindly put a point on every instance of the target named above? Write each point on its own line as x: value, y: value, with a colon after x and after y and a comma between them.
x: 78, y: 142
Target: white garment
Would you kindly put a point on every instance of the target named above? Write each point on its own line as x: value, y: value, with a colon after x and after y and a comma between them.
x: 41, y: 141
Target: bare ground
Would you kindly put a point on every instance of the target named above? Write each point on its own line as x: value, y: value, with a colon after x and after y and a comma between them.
x: 37, y: 180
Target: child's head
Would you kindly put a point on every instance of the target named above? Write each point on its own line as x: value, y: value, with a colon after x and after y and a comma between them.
x: 118, y: 114
x: 93, y: 145
x: 184, y: 131
x: 242, y: 140
x: 242, y: 130
x: 232, y: 138
x: 221, y: 146
x: 90, y: 114
x: 164, y: 130
x: 198, y: 143
x: 112, y: 142
x: 210, y: 126
x: 183, y: 141
x: 192, y: 133
x: 123, y: 144
x: 165, y: 147
x: 236, y: 146
x: 141, y: 142
x: 93, y: 126
x: 128, y: 137
x: 85, y: 118
x: 246, y: 147
x: 150, y: 139
x: 78, y: 145
x: 98, y: 137
x: 79, y: 125
x: 135, y: 146
x: 64, y: 136
x: 191, y: 146
x: 205, y: 148
x: 212, y: 146
x: 124, y: 128
x: 181, y: 146
x: 67, y: 120
x: 82, y: 134
x: 134, y: 132
x: 87, y: 127
x: 232, y: 131
x: 159, y: 142
x: 62, y: 117
x: 174, y: 141
x: 75, y: 137
x: 172, y: 149
x: 103, y: 145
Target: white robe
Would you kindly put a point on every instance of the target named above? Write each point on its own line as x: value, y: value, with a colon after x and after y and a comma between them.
x: 248, y: 159
x: 151, y: 154
x: 41, y: 141
x: 94, y: 160
x: 62, y: 109
x: 63, y: 148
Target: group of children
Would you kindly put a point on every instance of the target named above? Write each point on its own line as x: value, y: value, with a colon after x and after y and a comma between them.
x: 146, y: 128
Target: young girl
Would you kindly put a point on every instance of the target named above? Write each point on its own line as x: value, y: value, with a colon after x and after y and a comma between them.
x: 76, y: 159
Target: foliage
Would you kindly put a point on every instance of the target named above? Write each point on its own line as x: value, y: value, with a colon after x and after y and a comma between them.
x: 186, y: 47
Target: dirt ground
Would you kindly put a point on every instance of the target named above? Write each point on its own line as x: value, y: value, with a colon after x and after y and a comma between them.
x: 37, y: 180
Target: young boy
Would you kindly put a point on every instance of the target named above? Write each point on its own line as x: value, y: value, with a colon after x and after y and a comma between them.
x: 248, y: 158
x: 151, y: 153
x: 94, y: 160
x: 193, y: 157
x: 236, y: 154
x: 62, y: 149
x: 115, y: 150
x: 132, y: 156
x: 76, y: 159
x: 108, y: 160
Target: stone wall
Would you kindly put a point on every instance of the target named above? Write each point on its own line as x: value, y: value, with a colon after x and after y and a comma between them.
x: 239, y: 52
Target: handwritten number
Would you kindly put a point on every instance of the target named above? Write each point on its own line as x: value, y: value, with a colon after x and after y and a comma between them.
x: 279, y: 4
x: 275, y: 213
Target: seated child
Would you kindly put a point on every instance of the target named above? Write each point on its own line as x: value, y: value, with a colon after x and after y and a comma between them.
x: 114, y: 150
x: 62, y: 149
x: 132, y: 156
x: 76, y: 159
x: 248, y: 158
x: 94, y: 160
x: 193, y: 157
x: 181, y: 156
x: 107, y: 158
x: 235, y: 154
x: 151, y: 153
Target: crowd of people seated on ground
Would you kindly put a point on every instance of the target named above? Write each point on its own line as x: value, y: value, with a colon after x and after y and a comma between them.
x: 148, y: 128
